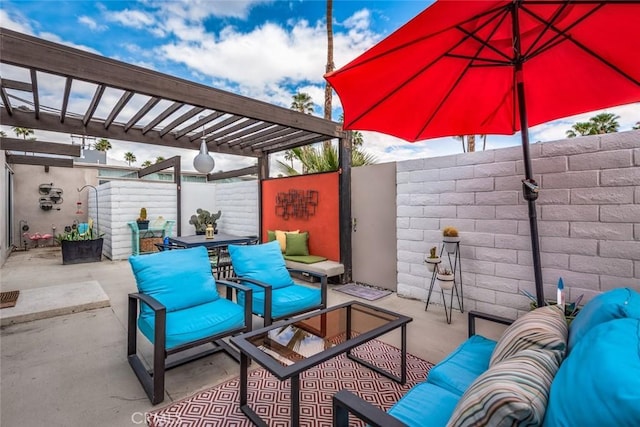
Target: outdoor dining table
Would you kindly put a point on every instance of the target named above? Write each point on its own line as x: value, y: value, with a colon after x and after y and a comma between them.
x: 220, y: 240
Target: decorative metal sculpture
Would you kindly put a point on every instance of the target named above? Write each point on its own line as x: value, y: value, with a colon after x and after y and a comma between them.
x: 296, y: 204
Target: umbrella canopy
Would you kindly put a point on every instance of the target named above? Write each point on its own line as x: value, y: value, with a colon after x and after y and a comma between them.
x: 495, y: 67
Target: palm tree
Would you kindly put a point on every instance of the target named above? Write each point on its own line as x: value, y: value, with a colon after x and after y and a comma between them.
x: 159, y: 159
x: 328, y: 91
x: 146, y: 163
x: 288, y: 156
x: 469, y: 142
x: 598, y: 124
x: 302, y: 102
x: 2, y: 133
x: 129, y: 157
x: 322, y: 159
x: 637, y: 126
x: 102, y: 145
x: 357, y: 139
x: 23, y: 132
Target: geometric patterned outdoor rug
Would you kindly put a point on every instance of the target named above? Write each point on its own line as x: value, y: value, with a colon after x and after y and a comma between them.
x: 270, y: 398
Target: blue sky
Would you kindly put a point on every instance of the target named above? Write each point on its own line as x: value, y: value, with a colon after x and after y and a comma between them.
x: 267, y: 50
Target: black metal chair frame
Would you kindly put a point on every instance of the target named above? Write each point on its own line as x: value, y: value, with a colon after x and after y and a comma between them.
x: 345, y: 402
x: 268, y: 318
x: 152, y: 380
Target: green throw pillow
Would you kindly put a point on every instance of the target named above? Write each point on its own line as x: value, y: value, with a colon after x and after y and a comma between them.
x: 271, y: 235
x: 297, y: 244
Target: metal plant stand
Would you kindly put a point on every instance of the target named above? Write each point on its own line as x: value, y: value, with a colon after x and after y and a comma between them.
x: 455, y: 263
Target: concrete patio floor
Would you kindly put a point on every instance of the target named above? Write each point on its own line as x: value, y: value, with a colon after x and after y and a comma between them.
x: 71, y: 370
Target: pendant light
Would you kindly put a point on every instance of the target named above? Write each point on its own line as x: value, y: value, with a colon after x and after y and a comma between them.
x: 203, y: 162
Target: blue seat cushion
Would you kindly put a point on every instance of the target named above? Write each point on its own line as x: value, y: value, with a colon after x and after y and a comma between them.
x: 263, y: 262
x: 598, y: 384
x: 194, y: 323
x: 614, y: 304
x: 425, y: 405
x: 287, y: 300
x: 177, y: 279
x: 463, y: 365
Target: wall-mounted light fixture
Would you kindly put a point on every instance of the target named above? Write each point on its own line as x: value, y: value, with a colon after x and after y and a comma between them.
x: 203, y: 162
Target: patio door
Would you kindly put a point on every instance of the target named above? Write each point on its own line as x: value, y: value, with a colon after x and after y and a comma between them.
x: 373, y: 227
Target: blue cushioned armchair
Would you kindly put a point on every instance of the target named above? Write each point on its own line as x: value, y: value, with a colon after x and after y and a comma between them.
x: 275, y: 295
x: 178, y: 307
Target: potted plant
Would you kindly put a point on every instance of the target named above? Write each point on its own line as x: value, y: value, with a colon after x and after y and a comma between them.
x: 203, y: 218
x: 450, y: 238
x: 143, y: 222
x: 445, y: 279
x: 80, y: 243
x: 432, y: 260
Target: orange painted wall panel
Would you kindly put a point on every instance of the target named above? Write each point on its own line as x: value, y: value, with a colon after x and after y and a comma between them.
x: 323, y: 226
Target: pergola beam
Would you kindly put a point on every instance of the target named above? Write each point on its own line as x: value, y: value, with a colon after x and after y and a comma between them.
x: 250, y: 170
x: 116, y: 131
x: 27, y: 51
x: 117, y: 108
x: 16, y: 144
x: 34, y: 90
x: 16, y: 159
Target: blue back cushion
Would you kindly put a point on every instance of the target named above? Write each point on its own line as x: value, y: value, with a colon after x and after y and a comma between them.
x: 598, y: 384
x: 261, y: 262
x: 463, y: 365
x: 178, y: 279
x: 615, y: 304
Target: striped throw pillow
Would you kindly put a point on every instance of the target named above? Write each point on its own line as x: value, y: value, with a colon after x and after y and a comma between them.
x: 542, y: 328
x: 513, y: 392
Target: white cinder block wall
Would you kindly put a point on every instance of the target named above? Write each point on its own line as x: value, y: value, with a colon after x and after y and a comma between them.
x: 238, y: 202
x: 588, y: 218
x: 120, y: 201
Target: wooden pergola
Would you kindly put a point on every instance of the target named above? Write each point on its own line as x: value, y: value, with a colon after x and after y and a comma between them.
x: 230, y: 123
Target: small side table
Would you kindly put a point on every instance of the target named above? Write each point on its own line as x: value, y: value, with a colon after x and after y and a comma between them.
x: 153, y: 231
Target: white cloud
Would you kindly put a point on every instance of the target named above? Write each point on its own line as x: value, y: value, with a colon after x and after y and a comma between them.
x: 296, y: 54
x: 57, y: 39
x: 91, y: 23
x: 199, y: 10
x: 15, y: 22
x: 130, y: 18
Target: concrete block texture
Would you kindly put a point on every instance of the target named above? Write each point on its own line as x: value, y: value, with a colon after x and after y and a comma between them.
x: 588, y: 214
x: 618, y: 177
x: 579, y: 179
x: 602, y: 195
x: 620, y: 213
x: 601, y: 160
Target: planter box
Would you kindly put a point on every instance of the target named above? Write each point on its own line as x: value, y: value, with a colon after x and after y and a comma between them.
x: 81, y: 251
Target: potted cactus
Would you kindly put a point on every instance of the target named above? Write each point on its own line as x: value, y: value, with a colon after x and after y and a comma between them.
x: 445, y: 279
x: 432, y: 260
x: 203, y: 218
x: 143, y: 222
x: 450, y: 238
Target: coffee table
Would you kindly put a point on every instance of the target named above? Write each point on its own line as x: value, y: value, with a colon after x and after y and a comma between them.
x: 288, y: 348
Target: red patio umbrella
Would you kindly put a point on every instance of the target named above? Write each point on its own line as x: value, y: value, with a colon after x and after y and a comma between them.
x: 495, y: 67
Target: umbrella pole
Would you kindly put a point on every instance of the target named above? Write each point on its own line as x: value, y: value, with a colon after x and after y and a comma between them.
x: 529, y: 188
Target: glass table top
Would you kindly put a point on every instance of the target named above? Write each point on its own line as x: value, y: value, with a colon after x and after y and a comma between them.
x: 296, y: 341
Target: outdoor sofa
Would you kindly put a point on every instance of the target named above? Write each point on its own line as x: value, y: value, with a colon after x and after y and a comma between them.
x: 295, y: 250
x: 540, y: 372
